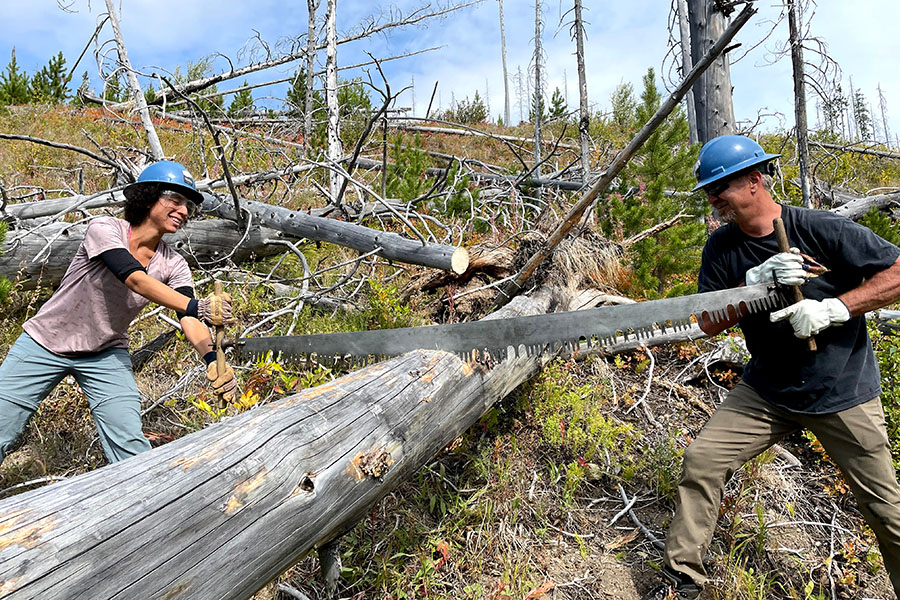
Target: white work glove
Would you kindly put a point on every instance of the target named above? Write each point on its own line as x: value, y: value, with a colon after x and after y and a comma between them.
x: 785, y: 267
x: 809, y: 317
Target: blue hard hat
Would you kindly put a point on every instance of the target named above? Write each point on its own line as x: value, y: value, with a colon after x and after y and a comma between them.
x: 171, y: 175
x: 727, y: 155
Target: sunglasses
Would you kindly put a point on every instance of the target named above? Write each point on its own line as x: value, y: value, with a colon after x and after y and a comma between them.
x: 716, y: 188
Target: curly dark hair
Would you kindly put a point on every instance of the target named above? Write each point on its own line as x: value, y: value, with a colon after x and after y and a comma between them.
x: 139, y: 201
x: 141, y: 198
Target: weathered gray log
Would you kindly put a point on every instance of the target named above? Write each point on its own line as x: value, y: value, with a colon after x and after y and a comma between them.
x: 220, y: 512
x: 203, y: 241
x: 387, y: 245
x: 853, y: 148
x: 297, y: 224
x: 859, y: 207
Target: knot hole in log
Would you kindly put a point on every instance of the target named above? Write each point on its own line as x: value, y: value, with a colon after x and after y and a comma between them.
x: 306, y: 484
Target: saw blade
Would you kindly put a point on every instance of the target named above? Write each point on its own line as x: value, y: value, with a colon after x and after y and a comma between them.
x: 501, y: 337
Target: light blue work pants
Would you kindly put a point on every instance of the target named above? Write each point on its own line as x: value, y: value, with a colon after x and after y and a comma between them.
x: 30, y: 372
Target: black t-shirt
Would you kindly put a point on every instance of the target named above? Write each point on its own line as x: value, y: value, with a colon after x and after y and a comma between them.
x: 843, y: 372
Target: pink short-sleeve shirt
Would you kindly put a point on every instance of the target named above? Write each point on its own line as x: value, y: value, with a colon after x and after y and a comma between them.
x: 92, y: 309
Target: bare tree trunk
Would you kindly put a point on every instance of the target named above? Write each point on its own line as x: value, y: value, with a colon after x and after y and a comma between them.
x: 584, y: 120
x: 506, y: 116
x: 712, y: 93
x: 794, y: 20
x: 140, y: 102
x: 686, y: 63
x: 311, y: 6
x: 331, y: 99
x: 536, y: 100
x: 881, y: 104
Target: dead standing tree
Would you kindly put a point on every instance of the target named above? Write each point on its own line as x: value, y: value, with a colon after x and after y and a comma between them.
x: 712, y: 92
x: 794, y: 20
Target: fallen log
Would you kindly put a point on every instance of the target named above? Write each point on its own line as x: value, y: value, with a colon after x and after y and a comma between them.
x: 220, y: 512
x: 853, y: 148
x: 298, y: 224
x: 385, y: 244
x: 198, y: 241
x: 855, y: 209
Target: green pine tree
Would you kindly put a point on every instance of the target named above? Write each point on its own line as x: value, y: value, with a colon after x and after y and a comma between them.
x: 558, y: 107
x: 14, y: 87
x: 666, y: 263
x: 50, y: 85
x: 472, y: 112
x: 296, y: 98
x: 113, y: 90
x: 537, y: 103
x: 242, y: 103
x: 149, y: 94
x: 198, y: 70
x: 623, y: 108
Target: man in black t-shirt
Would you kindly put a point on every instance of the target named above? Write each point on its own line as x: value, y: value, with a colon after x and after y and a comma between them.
x: 833, y: 392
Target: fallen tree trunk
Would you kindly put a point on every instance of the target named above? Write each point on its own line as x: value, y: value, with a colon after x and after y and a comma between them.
x: 203, y: 241
x: 385, y: 244
x: 219, y: 513
x: 855, y: 209
x: 293, y: 223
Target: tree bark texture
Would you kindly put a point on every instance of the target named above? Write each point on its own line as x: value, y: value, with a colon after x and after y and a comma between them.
x: 204, y: 241
x: 584, y: 112
x: 335, y: 151
x: 793, y: 8
x: 311, y: 7
x: 712, y: 92
x: 219, y: 513
x: 684, y: 28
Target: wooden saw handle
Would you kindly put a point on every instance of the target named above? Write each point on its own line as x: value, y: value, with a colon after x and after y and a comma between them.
x: 785, y: 246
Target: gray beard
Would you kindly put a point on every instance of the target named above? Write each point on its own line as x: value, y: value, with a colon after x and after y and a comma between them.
x: 723, y: 216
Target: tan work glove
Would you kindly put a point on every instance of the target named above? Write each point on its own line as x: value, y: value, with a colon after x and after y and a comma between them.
x: 215, y: 310
x: 223, y: 384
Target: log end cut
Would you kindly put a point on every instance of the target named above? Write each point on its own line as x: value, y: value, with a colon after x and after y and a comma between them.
x: 459, y: 262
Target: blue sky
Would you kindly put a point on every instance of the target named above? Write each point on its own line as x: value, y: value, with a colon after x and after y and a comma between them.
x: 624, y: 39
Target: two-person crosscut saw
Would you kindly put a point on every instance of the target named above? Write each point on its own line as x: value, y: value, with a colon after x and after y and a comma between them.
x: 500, y: 338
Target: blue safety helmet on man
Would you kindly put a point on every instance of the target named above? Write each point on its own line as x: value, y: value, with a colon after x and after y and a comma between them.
x: 169, y: 175
x: 727, y: 156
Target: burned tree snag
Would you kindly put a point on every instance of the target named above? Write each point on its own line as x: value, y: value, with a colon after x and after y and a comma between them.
x: 712, y: 92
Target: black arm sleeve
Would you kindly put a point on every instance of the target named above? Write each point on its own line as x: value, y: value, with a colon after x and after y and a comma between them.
x: 121, y: 263
x: 185, y: 290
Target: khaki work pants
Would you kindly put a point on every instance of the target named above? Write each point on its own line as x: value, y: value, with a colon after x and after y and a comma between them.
x: 744, y: 426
